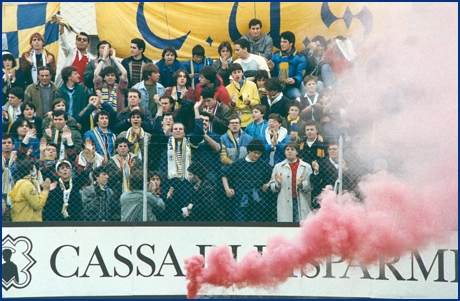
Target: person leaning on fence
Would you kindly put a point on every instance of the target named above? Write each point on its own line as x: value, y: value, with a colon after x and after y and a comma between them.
x: 132, y: 201
x: 290, y: 179
x: 244, y: 182
x: 97, y: 199
x: 27, y: 198
x: 64, y: 201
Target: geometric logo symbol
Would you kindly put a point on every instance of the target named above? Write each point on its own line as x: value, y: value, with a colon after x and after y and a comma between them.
x: 17, y: 262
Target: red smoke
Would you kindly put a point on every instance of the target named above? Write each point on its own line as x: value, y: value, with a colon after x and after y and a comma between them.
x: 418, y: 137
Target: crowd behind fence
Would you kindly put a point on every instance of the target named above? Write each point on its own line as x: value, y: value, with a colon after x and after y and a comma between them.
x: 225, y: 141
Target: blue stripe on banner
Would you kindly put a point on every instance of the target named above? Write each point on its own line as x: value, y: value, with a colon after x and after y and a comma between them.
x: 12, y: 38
x: 51, y: 33
x: 31, y: 15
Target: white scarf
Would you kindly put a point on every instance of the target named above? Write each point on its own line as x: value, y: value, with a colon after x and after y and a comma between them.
x: 186, y: 158
x: 62, y: 147
x: 315, y: 99
x: 13, y: 114
x: 34, y: 61
x: 275, y: 100
x: 126, y: 170
x: 7, y: 177
x: 97, y: 161
x: 66, y: 196
x: 282, y: 133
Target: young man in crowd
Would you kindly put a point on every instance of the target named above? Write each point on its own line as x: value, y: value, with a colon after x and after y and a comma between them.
x: 276, y: 101
x: 290, y: 180
x: 77, y: 56
x: 134, y: 64
x: 149, y: 87
x: 209, y: 78
x: 310, y: 100
x: 74, y: 94
x: 249, y: 62
x: 196, y: 63
x: 274, y: 138
x: 11, y: 110
x: 123, y: 122
x: 234, y: 142
x: 293, y: 124
x: 102, y: 136
x: 259, y: 124
x: 218, y: 111
x: 106, y: 57
x: 261, y: 44
x: 66, y: 139
x: 313, y: 147
x: 35, y: 58
x: 135, y: 134
x: 288, y: 65
x: 245, y: 183
x: 9, y: 170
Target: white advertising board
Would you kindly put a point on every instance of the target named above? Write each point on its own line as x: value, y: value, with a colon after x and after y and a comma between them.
x: 129, y: 261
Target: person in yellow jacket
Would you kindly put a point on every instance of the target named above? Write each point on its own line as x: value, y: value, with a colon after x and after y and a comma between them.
x: 243, y: 95
x: 27, y: 200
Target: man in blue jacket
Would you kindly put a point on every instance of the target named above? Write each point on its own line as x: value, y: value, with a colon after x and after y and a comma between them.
x: 288, y: 65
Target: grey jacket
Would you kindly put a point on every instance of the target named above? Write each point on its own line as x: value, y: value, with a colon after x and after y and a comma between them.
x: 262, y: 47
x: 33, y: 94
x: 132, y: 206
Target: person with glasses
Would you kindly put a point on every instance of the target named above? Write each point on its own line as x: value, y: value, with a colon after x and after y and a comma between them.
x: 234, y: 142
x: 77, y: 56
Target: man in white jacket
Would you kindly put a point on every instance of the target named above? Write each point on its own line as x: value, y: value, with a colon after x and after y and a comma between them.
x: 77, y: 55
x: 291, y: 180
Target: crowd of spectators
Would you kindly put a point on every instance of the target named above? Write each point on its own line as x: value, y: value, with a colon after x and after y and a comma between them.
x: 251, y: 136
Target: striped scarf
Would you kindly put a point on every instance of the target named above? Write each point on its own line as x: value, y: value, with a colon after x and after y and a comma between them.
x: 110, y: 97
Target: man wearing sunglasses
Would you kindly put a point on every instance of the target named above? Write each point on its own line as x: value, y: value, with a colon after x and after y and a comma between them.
x: 77, y: 55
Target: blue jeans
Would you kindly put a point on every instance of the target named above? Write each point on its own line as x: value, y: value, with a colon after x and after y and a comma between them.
x: 327, y: 75
x: 292, y: 93
x: 295, y: 210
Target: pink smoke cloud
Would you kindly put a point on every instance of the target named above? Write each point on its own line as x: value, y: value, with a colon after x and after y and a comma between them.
x: 408, y: 108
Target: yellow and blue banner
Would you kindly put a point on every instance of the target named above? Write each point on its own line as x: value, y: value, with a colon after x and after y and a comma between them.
x: 20, y: 21
x: 183, y: 25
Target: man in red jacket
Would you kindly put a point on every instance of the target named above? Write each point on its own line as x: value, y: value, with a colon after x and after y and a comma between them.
x: 210, y: 78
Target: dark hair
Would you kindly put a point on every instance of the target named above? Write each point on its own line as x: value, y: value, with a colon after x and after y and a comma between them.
x: 187, y: 75
x: 332, y: 142
x: 207, y: 92
x: 276, y: 116
x: 43, y: 68
x: 101, y: 113
x: 82, y: 33
x: 109, y: 70
x: 136, y: 112
x: 121, y: 140
x: 57, y: 101
x: 254, y: 22
x: 148, y: 69
x: 198, y: 50
x: 234, y: 116
x: 61, y: 113
x: 18, y: 123
x: 198, y: 169
x: 66, y: 72
x: 8, y: 56
x: 292, y: 144
x: 320, y: 39
x: 102, y: 43
x: 24, y: 167
x: 6, y: 136
x: 204, y: 113
x: 134, y: 91
x: 140, y: 43
x: 293, y: 103
x: 308, y: 78
x: 169, y: 97
x: 52, y: 144
x: 288, y: 35
x: 27, y: 104
x: 227, y: 45
x: 17, y: 91
x: 243, y: 44
x: 261, y: 108
x: 324, y: 92
x: 273, y: 84
x: 136, y: 180
x: 169, y: 49
x: 209, y: 72
x: 156, y: 174
x: 255, y: 145
x: 168, y: 114
x: 98, y: 170
x: 261, y: 74
x: 234, y: 67
x: 311, y: 123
